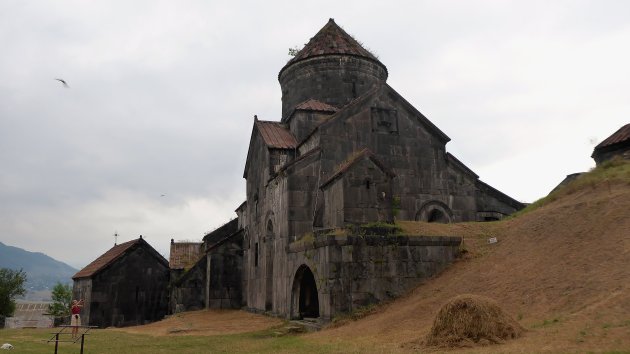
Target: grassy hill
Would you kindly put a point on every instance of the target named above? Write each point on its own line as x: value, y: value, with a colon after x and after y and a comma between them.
x: 561, y: 268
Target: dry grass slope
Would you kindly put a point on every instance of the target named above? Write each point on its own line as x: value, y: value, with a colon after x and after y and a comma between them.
x: 561, y: 269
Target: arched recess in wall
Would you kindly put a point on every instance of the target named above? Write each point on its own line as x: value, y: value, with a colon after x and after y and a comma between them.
x: 269, y: 250
x: 304, y: 295
x: 269, y: 230
x: 434, y: 211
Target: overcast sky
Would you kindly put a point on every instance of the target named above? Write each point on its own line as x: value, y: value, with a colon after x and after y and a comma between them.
x: 163, y: 93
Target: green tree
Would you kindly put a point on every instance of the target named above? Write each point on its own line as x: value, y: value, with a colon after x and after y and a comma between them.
x: 11, y: 285
x: 61, y: 297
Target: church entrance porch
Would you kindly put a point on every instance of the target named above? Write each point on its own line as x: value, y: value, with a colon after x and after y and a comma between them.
x: 305, y: 299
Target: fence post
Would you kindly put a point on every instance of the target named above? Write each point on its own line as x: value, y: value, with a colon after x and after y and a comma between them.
x: 82, y: 339
x: 56, y: 342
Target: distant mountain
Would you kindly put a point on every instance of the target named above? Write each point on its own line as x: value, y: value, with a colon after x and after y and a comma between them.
x: 42, y: 271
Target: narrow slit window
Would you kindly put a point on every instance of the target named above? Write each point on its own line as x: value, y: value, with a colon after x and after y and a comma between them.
x: 256, y: 255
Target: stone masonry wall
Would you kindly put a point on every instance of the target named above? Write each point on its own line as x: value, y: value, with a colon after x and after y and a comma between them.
x: 355, y: 271
x: 82, y: 289
x: 393, y: 131
x: 225, y: 269
x: 187, y: 291
x: 132, y: 291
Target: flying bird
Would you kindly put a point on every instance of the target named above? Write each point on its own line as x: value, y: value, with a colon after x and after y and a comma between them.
x: 65, y: 84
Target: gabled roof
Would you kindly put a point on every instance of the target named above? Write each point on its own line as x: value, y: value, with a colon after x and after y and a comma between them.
x: 111, y: 256
x: 296, y: 161
x: 221, y: 232
x: 275, y: 135
x: 225, y: 239
x: 373, y: 92
x: 356, y: 157
x: 105, y: 259
x: 499, y: 195
x: 311, y: 105
x: 315, y: 105
x: 241, y: 206
x: 455, y: 161
x: 331, y: 40
x: 621, y: 135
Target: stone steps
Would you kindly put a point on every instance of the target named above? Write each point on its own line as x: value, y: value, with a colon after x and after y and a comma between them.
x: 308, y: 324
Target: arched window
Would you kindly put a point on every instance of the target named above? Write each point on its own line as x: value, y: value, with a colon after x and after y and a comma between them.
x: 269, y: 229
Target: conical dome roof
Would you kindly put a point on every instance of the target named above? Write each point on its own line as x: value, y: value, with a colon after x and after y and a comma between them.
x: 331, y: 40
x: 332, y: 68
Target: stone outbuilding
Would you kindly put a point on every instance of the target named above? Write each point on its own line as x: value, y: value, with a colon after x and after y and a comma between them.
x: 618, y: 144
x: 183, y: 257
x: 214, y: 281
x: 125, y: 286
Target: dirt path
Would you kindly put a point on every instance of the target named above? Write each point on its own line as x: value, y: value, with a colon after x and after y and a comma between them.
x: 206, y: 323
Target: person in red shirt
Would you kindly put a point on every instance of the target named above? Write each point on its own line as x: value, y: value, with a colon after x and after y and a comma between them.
x: 75, y: 320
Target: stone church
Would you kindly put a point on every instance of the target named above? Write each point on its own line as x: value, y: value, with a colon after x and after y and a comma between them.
x: 348, y: 157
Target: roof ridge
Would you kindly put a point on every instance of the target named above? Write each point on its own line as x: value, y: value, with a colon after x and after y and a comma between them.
x: 320, y: 106
x: 310, y: 104
x: 336, y: 114
x: 620, y: 135
x: 105, y: 259
x: 353, y: 159
x: 267, y: 121
x: 275, y: 134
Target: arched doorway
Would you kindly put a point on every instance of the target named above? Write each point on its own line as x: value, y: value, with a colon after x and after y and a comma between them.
x: 434, y: 211
x: 437, y: 215
x: 269, y: 239
x: 305, y: 299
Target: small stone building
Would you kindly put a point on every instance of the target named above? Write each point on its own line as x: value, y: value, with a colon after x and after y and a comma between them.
x: 214, y: 281
x: 125, y: 286
x: 617, y: 144
x: 182, y: 259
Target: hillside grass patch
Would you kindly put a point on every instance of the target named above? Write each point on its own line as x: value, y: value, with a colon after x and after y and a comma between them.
x: 113, y: 341
x: 616, y: 170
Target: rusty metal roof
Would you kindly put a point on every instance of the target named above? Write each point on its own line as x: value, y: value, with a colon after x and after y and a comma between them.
x: 113, y: 255
x: 315, y: 105
x: 275, y: 135
x: 105, y: 259
x: 331, y: 39
x: 621, y: 135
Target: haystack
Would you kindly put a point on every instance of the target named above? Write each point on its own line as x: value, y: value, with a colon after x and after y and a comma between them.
x: 468, y: 320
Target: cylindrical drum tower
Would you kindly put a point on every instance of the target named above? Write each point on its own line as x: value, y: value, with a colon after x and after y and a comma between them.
x: 332, y: 68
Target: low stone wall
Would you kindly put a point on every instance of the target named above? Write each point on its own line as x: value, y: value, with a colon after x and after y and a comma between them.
x: 358, y: 270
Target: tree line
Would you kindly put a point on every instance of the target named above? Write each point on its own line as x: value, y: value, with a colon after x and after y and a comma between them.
x: 12, y: 285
